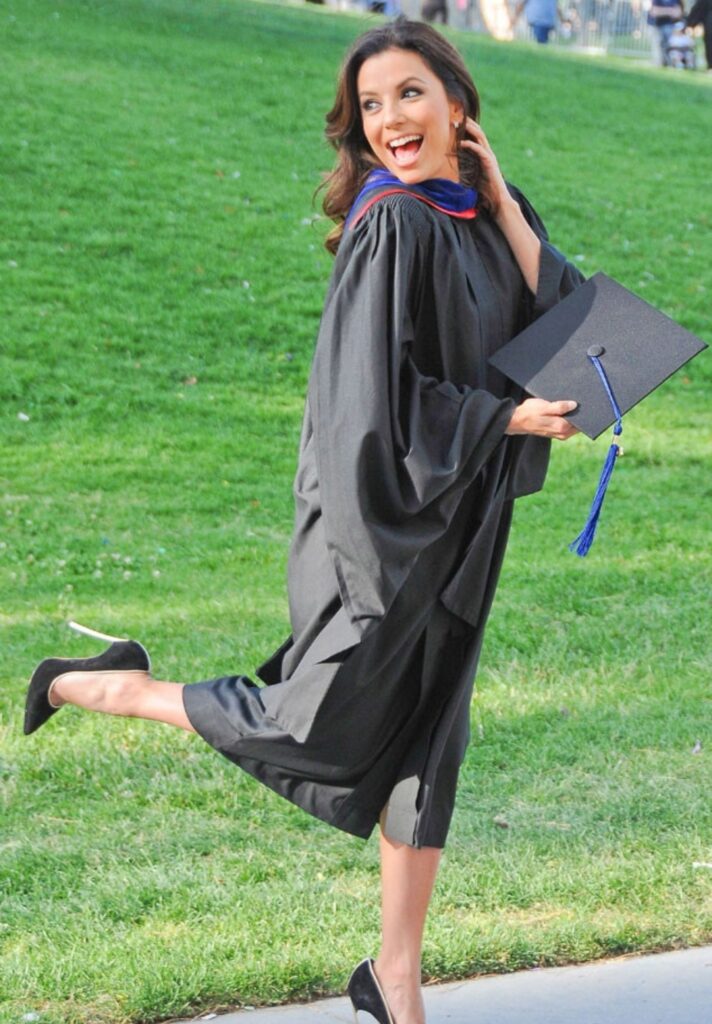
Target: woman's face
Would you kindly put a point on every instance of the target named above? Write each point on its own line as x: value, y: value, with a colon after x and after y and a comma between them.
x: 408, y: 117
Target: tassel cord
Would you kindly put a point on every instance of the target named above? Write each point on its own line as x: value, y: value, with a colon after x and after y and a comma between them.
x: 581, y: 545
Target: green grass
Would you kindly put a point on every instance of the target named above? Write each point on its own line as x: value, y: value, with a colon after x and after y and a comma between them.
x: 162, y: 277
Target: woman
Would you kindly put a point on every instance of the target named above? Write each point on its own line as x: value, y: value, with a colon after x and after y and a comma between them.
x: 411, y: 453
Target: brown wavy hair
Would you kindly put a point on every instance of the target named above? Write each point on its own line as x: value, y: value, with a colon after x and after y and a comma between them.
x: 344, y: 128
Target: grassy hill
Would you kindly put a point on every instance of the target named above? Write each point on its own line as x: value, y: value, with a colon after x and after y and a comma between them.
x: 162, y: 274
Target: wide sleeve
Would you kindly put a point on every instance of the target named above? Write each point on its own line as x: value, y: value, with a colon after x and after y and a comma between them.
x: 529, y: 455
x: 557, y: 276
x: 395, y: 447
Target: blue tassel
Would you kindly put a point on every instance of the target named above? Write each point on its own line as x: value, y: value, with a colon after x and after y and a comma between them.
x: 583, y: 542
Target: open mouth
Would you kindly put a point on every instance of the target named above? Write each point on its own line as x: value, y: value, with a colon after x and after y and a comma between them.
x: 405, y: 149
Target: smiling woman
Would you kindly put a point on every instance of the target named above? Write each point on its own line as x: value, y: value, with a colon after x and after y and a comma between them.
x: 412, y: 452
x: 440, y: 78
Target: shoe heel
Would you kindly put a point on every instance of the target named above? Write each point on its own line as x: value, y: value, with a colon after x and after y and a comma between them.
x: 366, y: 994
x: 86, y: 631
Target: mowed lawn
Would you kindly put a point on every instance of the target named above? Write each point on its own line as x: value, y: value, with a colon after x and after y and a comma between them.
x: 162, y: 275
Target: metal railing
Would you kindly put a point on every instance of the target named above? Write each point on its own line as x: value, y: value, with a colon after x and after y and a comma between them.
x: 594, y: 26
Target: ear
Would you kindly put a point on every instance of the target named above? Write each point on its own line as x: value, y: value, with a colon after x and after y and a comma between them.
x: 457, y: 112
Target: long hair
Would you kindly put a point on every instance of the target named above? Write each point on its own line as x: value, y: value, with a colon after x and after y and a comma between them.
x: 344, y: 128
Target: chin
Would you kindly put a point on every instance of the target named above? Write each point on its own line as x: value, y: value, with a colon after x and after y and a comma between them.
x: 409, y: 175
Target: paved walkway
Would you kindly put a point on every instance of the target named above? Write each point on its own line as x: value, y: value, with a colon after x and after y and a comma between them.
x: 664, y: 988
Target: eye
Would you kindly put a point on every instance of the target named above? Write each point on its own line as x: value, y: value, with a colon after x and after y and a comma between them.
x: 411, y: 91
x: 369, y: 105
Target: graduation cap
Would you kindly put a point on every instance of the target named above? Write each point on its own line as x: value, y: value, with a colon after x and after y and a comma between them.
x: 607, y: 349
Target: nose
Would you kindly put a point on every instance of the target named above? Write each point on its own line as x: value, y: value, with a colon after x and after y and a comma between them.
x: 392, y: 113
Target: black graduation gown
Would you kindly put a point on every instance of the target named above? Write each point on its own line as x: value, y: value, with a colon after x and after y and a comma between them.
x: 403, y: 493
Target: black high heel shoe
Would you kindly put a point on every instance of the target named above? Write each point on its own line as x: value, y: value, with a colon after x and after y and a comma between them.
x: 366, y: 993
x: 121, y: 656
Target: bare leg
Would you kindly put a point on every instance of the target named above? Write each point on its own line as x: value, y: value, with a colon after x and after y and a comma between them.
x: 407, y: 879
x: 132, y: 694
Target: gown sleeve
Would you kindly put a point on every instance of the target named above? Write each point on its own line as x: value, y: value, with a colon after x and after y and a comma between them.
x: 557, y: 278
x: 395, y: 448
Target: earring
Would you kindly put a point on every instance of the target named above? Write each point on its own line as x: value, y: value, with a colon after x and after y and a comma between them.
x: 456, y: 124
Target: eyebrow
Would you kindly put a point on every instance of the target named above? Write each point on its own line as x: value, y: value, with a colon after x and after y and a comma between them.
x: 410, y: 78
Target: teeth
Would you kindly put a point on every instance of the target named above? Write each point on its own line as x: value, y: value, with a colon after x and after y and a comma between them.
x: 404, y: 140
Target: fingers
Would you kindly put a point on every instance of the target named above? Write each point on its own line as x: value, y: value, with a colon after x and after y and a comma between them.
x: 479, y: 137
x: 543, y: 408
x: 474, y: 146
x: 485, y: 155
x: 562, y: 407
x: 474, y: 129
x: 545, y: 419
x: 492, y: 185
x: 556, y: 426
x: 562, y: 430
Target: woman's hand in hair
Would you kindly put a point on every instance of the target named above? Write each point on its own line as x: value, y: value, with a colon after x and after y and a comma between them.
x: 492, y: 186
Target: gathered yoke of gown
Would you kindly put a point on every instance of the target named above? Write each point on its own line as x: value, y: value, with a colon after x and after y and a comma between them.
x: 403, y: 500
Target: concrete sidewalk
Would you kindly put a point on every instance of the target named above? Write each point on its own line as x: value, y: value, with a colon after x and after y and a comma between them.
x: 664, y: 988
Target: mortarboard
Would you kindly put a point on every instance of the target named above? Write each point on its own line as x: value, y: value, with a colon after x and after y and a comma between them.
x: 607, y: 349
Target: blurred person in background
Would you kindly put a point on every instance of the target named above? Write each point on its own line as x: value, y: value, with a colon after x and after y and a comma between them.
x: 701, y: 14
x: 434, y: 10
x: 541, y: 17
x: 662, y: 16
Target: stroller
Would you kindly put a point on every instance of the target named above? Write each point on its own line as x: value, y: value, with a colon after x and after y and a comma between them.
x: 680, y: 49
